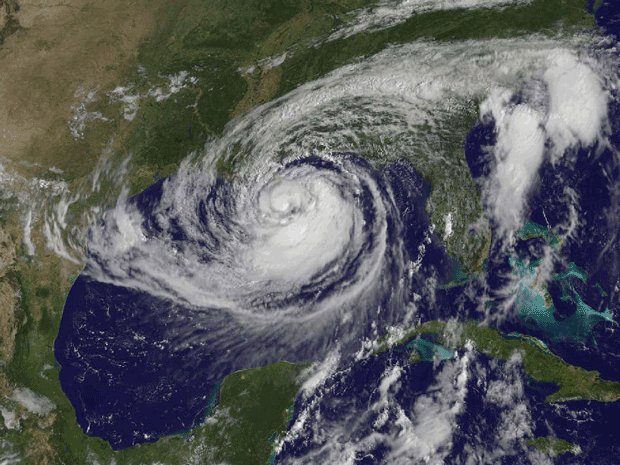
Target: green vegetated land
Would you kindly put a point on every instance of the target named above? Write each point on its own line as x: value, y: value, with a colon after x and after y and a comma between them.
x: 211, y: 41
x: 253, y: 412
x: 546, y: 16
x: 574, y: 383
x: 554, y: 446
x: 215, y: 44
x: 11, y: 24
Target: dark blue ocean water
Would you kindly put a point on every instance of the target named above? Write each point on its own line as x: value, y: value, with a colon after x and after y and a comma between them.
x: 131, y: 382
x: 594, y: 174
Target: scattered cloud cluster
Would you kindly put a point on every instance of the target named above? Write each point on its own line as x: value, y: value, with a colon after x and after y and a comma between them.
x: 81, y: 115
x: 421, y: 433
x: 131, y: 99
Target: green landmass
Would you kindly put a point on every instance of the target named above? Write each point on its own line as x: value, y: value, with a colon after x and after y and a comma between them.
x: 11, y: 24
x: 574, y: 383
x: 212, y: 41
x: 554, y: 446
x: 214, y: 44
x: 253, y: 411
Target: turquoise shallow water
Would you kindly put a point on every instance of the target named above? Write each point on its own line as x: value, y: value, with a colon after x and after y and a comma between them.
x: 428, y: 350
x: 538, y: 312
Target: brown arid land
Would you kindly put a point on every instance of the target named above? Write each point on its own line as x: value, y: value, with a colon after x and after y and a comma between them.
x: 53, y: 53
x: 61, y: 51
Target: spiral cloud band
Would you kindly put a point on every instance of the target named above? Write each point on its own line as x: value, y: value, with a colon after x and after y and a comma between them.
x: 198, y: 277
x: 308, y: 247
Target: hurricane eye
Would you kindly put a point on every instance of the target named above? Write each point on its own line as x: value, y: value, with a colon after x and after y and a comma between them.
x: 437, y: 181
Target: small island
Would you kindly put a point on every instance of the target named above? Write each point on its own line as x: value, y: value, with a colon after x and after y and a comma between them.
x: 554, y: 446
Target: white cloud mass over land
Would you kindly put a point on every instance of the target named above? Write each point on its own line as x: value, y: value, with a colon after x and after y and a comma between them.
x: 395, y: 94
x: 287, y: 237
x: 389, y: 13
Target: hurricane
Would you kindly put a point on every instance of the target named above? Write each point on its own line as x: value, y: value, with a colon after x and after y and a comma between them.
x: 287, y: 263
x: 306, y: 229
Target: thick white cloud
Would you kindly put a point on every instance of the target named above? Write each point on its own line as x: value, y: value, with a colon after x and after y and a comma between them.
x: 33, y: 402
x: 570, y: 111
x: 519, y: 152
x: 578, y: 104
